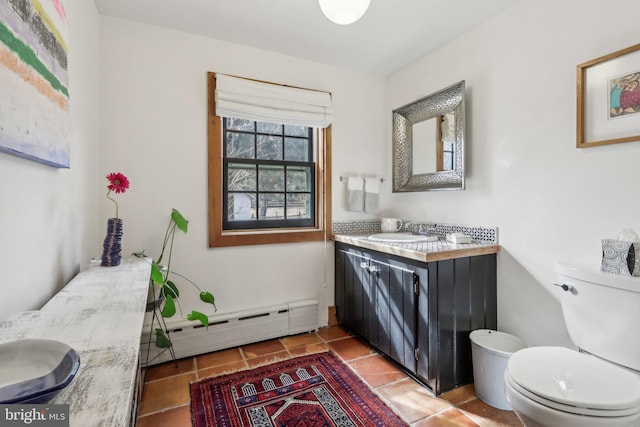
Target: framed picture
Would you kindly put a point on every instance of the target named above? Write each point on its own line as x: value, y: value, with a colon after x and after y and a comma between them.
x: 609, y: 99
x: 34, y: 83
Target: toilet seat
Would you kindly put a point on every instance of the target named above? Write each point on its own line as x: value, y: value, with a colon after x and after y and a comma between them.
x: 574, y: 382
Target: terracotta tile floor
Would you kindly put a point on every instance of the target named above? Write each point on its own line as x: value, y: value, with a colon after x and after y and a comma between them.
x: 165, y: 399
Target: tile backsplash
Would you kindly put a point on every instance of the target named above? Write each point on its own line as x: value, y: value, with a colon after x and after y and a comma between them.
x: 365, y: 226
x: 371, y: 226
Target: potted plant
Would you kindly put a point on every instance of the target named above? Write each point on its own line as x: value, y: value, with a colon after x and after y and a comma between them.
x: 164, y: 290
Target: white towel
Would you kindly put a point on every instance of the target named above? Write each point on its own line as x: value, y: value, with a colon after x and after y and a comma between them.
x: 355, y: 194
x: 371, y: 194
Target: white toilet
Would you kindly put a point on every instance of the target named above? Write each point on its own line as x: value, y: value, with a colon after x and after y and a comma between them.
x: 598, y: 386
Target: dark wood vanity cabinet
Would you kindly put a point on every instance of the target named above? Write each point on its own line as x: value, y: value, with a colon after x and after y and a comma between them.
x: 375, y: 298
x: 418, y: 314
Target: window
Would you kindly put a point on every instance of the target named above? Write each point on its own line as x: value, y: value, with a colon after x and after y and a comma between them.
x: 445, y: 143
x: 267, y: 181
x: 268, y: 175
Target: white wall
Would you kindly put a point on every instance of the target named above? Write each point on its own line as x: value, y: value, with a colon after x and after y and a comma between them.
x: 153, y: 129
x: 549, y: 200
x: 48, y: 215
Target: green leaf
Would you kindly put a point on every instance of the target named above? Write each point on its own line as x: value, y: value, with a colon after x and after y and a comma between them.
x: 208, y: 298
x: 156, y: 274
x: 162, y: 341
x: 169, y: 308
x: 171, y: 289
x: 196, y: 315
x: 180, y: 221
x: 167, y: 292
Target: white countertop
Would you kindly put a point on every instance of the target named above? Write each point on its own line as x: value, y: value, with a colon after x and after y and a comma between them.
x: 421, y: 251
x: 100, y: 314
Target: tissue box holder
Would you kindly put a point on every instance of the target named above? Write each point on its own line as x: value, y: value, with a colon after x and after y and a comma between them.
x: 621, y: 257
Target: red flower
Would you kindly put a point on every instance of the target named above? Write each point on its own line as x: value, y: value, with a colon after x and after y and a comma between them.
x: 117, y: 182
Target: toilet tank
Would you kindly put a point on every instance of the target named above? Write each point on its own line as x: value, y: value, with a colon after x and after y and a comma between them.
x: 602, y: 312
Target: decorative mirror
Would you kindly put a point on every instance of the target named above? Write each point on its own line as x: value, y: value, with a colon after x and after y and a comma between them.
x: 428, y: 142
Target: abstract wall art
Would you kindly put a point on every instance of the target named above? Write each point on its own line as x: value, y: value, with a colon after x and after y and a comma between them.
x: 34, y: 81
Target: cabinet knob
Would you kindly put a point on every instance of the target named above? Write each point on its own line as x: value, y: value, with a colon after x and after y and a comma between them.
x: 374, y: 269
x: 364, y: 264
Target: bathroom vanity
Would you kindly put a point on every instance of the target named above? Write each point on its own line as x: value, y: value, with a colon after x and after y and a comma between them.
x: 417, y: 303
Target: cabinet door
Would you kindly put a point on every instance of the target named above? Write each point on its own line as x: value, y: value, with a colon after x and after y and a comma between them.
x: 427, y: 319
x: 339, y: 274
x: 380, y: 332
x: 353, y: 303
x: 460, y: 297
x: 395, y: 308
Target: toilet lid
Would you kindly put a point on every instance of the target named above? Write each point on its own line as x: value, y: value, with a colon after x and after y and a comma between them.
x: 575, y: 379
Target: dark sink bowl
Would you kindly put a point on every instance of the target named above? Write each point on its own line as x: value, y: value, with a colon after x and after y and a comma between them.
x: 35, y: 370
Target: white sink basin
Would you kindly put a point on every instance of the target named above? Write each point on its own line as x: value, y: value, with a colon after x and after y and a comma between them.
x: 35, y: 370
x: 402, y: 238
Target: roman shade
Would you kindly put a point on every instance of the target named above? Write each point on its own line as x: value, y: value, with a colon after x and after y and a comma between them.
x: 266, y: 102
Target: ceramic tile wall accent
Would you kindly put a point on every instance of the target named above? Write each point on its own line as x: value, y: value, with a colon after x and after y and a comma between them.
x: 366, y: 226
x: 485, y: 234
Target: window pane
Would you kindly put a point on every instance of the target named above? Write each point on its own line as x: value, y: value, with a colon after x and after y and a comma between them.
x: 296, y: 131
x: 271, y: 128
x: 296, y: 149
x: 242, y: 177
x: 269, y: 147
x: 271, y: 178
x: 447, y: 161
x: 242, y: 207
x: 271, y: 206
x: 298, y: 179
x: 298, y: 206
x: 239, y: 124
x: 240, y: 145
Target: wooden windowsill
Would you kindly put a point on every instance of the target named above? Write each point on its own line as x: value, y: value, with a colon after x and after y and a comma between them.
x: 262, y: 237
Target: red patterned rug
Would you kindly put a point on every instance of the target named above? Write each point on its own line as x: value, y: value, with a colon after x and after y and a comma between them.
x: 308, y: 391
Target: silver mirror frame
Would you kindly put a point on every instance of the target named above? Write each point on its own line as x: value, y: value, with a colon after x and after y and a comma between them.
x: 450, y: 99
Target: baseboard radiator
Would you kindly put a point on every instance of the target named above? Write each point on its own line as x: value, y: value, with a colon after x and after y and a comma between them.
x: 230, y: 330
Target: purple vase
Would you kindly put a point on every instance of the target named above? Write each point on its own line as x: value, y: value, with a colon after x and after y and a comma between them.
x: 112, y: 248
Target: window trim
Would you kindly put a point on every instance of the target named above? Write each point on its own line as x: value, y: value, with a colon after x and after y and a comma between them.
x: 219, y: 237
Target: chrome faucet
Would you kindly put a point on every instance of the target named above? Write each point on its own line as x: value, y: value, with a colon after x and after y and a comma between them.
x: 416, y: 228
x: 420, y: 229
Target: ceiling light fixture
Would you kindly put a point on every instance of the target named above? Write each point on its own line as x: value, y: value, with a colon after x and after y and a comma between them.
x: 344, y: 12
